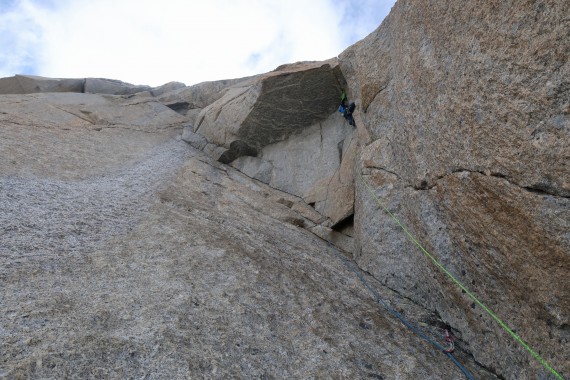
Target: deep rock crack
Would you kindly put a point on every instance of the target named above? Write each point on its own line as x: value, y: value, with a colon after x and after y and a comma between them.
x: 425, y: 185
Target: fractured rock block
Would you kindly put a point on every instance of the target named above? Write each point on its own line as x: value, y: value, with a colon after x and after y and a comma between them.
x: 29, y: 84
x: 272, y: 107
x: 195, y: 139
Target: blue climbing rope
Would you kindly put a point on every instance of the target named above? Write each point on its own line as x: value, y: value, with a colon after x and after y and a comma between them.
x: 455, y: 280
x: 402, y: 319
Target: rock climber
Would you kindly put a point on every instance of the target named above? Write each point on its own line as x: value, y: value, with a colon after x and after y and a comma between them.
x: 449, y: 339
x: 347, y: 111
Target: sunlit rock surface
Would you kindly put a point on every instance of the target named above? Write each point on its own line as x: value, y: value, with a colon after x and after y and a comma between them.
x: 125, y: 253
x: 467, y: 119
x: 222, y: 230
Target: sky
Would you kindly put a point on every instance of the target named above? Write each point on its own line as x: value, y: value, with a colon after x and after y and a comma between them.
x: 153, y: 42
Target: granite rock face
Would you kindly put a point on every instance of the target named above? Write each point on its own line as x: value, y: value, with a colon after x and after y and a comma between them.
x: 273, y: 107
x: 466, y: 108
x: 311, y: 165
x: 76, y: 128
x: 125, y: 252
x: 192, y: 99
x: 281, y: 128
x: 231, y: 228
x: 112, y: 87
x: 30, y: 84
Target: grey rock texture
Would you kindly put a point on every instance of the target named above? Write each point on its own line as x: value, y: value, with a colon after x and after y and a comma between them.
x: 192, y: 99
x: 28, y: 84
x: 167, y: 88
x: 281, y: 128
x: 222, y: 230
x: 254, y: 167
x: 75, y: 130
x: 311, y: 164
x: 112, y: 87
x: 202, y: 94
x: 273, y: 107
x: 196, y: 140
x: 466, y: 112
x: 133, y: 255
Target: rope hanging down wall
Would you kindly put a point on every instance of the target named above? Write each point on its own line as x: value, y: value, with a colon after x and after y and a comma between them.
x: 350, y: 265
x: 455, y: 280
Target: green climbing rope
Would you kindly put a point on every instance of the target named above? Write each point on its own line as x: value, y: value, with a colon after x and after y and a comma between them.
x: 454, y: 279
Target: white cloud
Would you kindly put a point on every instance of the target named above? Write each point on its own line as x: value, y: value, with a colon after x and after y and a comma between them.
x: 19, y: 39
x: 152, y: 42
